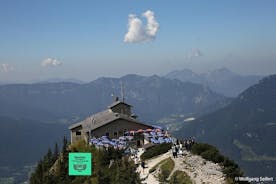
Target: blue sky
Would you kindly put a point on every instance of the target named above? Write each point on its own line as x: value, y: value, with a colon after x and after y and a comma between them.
x: 85, y: 39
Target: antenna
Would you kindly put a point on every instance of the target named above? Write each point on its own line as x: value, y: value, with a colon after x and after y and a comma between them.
x: 122, y: 91
x: 113, y: 92
x: 113, y: 97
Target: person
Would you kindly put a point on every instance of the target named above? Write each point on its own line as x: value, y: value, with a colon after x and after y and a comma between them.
x: 180, y: 152
x: 143, y: 165
x: 166, y: 134
x: 193, y: 141
x: 136, y: 161
x: 188, y: 145
x: 176, y: 150
x: 173, y: 151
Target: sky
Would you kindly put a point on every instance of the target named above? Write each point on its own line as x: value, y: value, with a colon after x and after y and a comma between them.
x: 88, y: 39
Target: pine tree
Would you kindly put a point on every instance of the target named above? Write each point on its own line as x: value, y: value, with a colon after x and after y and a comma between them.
x: 56, y: 152
x: 37, y: 176
x: 48, y: 159
x: 64, y: 163
x: 64, y: 147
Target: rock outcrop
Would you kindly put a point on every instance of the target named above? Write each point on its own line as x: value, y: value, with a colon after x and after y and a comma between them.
x: 198, y: 169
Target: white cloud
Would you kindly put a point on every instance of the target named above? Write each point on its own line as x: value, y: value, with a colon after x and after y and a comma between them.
x: 152, y: 25
x: 6, y: 68
x: 50, y: 62
x: 138, y: 32
x: 194, y: 53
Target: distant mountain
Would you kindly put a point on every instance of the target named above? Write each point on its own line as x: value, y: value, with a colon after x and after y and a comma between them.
x: 153, y: 97
x: 222, y: 80
x: 186, y: 75
x: 244, y: 130
x: 57, y: 80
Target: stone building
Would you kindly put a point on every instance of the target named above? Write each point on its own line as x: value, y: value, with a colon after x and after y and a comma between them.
x: 112, y: 122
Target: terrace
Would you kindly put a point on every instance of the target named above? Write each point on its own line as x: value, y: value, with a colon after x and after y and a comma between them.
x: 154, y: 136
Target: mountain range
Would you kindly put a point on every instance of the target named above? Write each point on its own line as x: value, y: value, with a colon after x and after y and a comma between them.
x: 222, y: 80
x: 244, y: 129
x: 68, y: 102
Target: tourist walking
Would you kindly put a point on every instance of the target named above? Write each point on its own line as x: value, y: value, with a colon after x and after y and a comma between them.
x: 143, y: 165
x: 174, y: 151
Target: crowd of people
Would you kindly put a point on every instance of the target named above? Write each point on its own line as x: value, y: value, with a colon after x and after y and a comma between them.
x: 180, y: 145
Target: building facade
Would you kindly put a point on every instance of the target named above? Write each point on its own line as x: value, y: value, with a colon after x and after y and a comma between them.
x: 113, y: 122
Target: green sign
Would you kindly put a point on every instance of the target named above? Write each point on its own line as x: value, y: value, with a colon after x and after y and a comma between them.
x: 80, y: 164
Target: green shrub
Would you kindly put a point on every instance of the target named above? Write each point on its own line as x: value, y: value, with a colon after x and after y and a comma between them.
x: 166, y: 169
x: 207, y: 152
x: 231, y: 169
x: 180, y: 177
x: 156, y: 150
x: 199, y: 148
x: 212, y: 155
x: 156, y: 166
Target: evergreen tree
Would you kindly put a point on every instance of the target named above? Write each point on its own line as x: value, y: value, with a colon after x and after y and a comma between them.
x: 64, y: 147
x: 37, y: 176
x: 56, y: 152
x: 64, y: 163
x: 48, y: 159
x: 103, y: 178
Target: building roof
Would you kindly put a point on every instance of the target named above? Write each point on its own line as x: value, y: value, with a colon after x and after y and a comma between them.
x: 102, y: 118
x: 117, y: 103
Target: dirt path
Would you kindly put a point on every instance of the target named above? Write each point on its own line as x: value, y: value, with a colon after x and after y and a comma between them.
x: 149, y: 177
x: 199, y: 170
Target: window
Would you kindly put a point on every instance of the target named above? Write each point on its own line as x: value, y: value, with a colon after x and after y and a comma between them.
x: 121, y: 132
x: 78, y: 132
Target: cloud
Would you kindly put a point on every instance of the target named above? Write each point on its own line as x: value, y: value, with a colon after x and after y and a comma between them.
x: 6, y: 68
x: 138, y: 32
x: 194, y: 53
x: 50, y: 62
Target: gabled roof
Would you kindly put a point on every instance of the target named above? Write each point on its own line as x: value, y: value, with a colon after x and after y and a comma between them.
x: 117, y: 103
x: 96, y: 119
x: 102, y: 118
